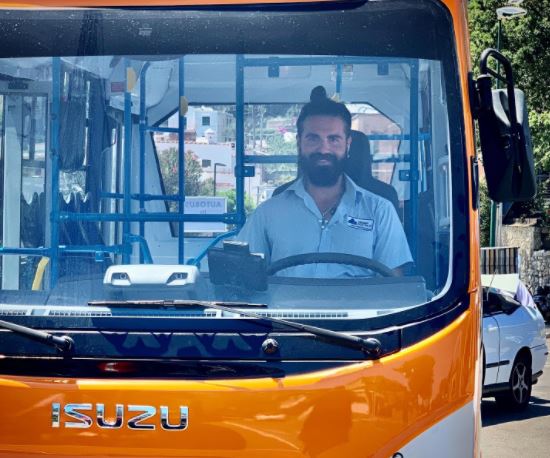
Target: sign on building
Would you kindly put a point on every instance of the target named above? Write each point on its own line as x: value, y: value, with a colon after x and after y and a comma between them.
x: 199, y: 205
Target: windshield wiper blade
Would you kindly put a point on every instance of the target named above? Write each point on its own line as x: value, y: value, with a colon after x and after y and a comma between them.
x: 63, y: 343
x: 371, y: 346
x: 149, y: 303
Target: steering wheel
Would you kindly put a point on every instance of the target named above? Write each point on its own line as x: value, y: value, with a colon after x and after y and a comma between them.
x: 330, y: 258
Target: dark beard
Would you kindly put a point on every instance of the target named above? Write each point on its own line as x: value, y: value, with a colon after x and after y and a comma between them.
x: 322, y: 175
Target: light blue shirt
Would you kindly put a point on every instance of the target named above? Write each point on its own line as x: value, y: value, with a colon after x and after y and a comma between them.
x: 364, y: 224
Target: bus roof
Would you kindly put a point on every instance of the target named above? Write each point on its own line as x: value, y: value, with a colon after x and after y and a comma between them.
x: 155, y: 3
x: 451, y: 4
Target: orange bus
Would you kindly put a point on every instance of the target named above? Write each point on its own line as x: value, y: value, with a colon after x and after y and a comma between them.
x: 155, y: 159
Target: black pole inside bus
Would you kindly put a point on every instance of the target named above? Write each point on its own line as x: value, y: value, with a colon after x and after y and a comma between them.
x: 54, y: 158
x: 142, y: 125
x: 414, y: 173
x: 239, y: 140
x: 182, y: 122
x: 127, y: 203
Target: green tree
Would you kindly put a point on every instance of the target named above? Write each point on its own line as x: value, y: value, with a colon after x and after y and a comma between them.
x: 280, y: 173
x: 526, y: 42
x: 230, y: 194
x: 484, y: 214
x: 540, y: 131
x: 276, y: 144
x: 194, y: 184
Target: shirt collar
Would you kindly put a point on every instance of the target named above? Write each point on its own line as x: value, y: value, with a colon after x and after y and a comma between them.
x: 297, y: 187
x: 353, y: 193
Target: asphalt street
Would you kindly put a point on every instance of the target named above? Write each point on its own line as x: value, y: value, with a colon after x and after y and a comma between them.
x: 524, y: 434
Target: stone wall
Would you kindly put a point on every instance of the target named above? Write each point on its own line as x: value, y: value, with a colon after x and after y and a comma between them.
x: 534, y: 260
x: 535, y: 270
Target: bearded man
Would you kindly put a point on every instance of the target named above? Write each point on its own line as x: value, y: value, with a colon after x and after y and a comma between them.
x: 324, y: 210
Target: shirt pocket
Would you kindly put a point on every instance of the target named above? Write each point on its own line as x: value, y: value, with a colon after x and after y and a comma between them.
x: 353, y: 240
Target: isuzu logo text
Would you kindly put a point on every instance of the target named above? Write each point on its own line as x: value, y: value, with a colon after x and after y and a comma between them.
x: 132, y: 416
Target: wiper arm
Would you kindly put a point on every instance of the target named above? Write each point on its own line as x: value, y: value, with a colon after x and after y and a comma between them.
x: 371, y: 346
x: 63, y: 343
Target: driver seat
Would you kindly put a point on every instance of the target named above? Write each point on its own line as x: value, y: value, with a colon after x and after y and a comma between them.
x: 359, y: 169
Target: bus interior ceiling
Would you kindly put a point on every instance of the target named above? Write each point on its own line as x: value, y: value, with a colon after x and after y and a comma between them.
x: 91, y: 186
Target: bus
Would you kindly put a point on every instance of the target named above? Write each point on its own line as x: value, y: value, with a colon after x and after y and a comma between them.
x: 138, y: 139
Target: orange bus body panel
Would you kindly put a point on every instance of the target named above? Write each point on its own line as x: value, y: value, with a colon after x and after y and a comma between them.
x: 365, y: 409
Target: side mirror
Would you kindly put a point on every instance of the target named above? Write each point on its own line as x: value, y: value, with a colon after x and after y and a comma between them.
x: 508, y: 304
x: 504, y: 134
x: 494, y: 302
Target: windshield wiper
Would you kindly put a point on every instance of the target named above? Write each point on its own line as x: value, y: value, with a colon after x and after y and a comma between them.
x: 63, y: 343
x: 371, y: 346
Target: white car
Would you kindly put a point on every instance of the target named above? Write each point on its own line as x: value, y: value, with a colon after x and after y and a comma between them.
x: 514, y: 348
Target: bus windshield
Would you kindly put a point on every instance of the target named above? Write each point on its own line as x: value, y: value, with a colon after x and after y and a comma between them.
x: 155, y: 157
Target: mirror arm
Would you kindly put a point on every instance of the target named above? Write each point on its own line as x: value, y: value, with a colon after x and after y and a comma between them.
x: 508, y: 79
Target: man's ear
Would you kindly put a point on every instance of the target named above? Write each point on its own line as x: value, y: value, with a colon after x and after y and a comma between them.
x: 348, y: 146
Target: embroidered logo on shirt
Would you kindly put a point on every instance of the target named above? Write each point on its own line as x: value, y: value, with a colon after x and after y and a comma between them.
x: 360, y: 223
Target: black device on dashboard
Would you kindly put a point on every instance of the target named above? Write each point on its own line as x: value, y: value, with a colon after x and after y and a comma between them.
x: 234, y: 265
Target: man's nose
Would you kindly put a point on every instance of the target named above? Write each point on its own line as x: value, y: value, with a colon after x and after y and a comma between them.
x: 325, y: 146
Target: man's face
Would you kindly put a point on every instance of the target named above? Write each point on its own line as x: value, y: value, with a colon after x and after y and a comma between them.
x: 323, y: 147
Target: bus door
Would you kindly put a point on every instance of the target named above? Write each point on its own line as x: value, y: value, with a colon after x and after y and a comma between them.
x: 23, y: 114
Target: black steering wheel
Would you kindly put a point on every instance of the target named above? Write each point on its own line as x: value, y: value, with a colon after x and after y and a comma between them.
x: 330, y: 258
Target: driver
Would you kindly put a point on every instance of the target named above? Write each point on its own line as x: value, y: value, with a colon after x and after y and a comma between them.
x: 324, y: 210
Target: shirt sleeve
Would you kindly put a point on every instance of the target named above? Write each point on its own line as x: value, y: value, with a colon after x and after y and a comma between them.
x: 523, y: 296
x: 390, y: 247
x: 255, y: 233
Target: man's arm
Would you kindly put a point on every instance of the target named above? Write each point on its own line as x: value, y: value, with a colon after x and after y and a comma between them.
x: 254, y: 232
x: 391, y: 247
x: 404, y: 269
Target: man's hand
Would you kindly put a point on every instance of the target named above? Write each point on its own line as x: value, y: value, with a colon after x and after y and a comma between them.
x: 404, y: 269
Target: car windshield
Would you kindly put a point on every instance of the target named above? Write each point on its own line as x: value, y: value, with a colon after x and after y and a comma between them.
x: 192, y: 164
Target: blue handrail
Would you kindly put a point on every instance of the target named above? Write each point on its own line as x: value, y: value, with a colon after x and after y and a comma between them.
x: 197, y: 260
x: 124, y: 248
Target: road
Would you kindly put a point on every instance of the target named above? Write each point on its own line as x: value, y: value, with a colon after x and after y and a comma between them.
x: 511, y: 435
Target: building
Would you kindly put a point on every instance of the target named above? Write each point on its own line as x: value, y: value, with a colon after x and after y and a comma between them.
x: 215, y: 125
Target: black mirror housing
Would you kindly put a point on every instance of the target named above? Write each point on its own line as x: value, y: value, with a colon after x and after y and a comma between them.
x: 504, y: 135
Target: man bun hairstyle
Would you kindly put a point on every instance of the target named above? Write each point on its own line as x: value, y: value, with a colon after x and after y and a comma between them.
x: 318, y: 94
x: 320, y: 105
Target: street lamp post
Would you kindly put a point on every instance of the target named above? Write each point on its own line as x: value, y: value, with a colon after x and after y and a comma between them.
x: 510, y: 11
x: 216, y: 164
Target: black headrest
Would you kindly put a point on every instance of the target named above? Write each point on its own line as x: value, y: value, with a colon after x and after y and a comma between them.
x: 359, y: 165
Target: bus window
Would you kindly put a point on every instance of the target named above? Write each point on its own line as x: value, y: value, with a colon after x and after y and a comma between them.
x: 384, y: 138
x: 107, y: 162
x: 270, y: 146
